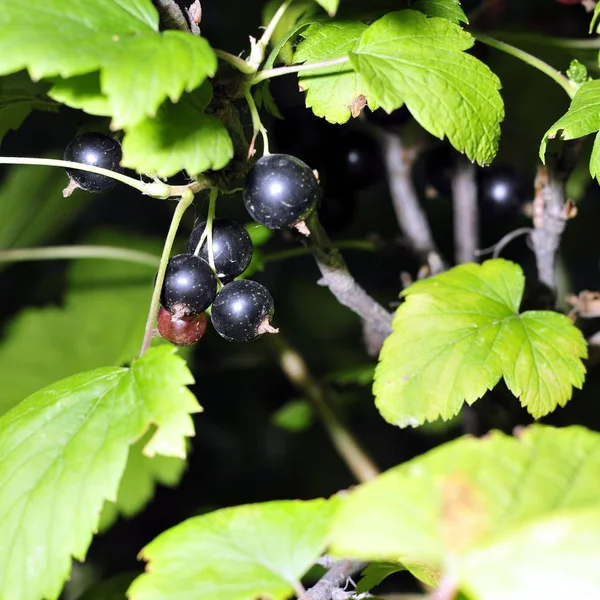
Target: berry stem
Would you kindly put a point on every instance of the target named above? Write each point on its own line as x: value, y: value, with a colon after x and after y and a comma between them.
x: 156, y: 189
x: 76, y: 252
x: 235, y: 61
x: 257, y: 125
x: 564, y: 82
x: 257, y: 52
x: 296, y: 370
x: 278, y: 71
x: 186, y: 199
x: 208, y: 230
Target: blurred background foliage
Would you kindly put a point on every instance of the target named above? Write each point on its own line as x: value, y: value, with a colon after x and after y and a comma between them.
x: 258, y: 438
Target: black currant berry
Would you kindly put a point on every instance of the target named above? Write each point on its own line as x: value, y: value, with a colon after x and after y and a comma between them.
x: 98, y: 150
x: 280, y: 191
x: 242, y: 311
x: 182, y: 331
x: 190, y: 285
x: 502, y: 191
x: 232, y: 247
x: 362, y: 159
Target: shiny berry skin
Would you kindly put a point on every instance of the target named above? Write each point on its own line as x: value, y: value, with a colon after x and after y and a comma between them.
x: 183, y: 331
x: 502, y: 191
x: 98, y: 150
x: 242, y: 311
x: 190, y: 285
x: 232, y: 247
x: 280, y: 191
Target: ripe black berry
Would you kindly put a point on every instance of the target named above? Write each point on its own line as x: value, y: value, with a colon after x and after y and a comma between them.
x: 502, y: 191
x: 242, y: 311
x: 181, y: 331
x: 98, y: 150
x: 362, y: 159
x: 232, y: 247
x: 280, y: 191
x: 190, y: 285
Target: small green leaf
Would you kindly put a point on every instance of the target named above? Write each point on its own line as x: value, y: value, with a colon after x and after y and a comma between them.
x: 62, y: 454
x: 447, y: 9
x: 482, y: 510
x: 139, y: 66
x: 459, y: 332
x: 594, y: 18
x: 295, y: 415
x: 271, y: 546
x: 374, y: 574
x: 358, y: 375
x: 330, y: 6
x: 82, y: 92
x: 407, y: 58
x: 180, y: 137
x: 332, y: 91
x: 582, y: 118
x: 15, y: 106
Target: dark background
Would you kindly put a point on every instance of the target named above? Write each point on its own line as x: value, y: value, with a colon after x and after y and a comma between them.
x: 238, y: 454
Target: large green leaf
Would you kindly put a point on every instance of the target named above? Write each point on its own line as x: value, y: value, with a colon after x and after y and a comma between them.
x: 331, y: 91
x: 62, y: 454
x: 241, y: 553
x: 407, y: 58
x: 448, y: 9
x: 139, y: 66
x: 582, y: 118
x: 459, y: 332
x: 101, y: 323
x: 518, y: 514
x: 180, y: 137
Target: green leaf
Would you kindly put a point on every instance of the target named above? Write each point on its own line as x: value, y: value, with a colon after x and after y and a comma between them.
x: 138, y: 483
x: 62, y: 453
x: 82, y: 92
x: 485, y: 510
x: 110, y: 589
x: 139, y: 66
x: 180, y: 137
x: 15, y: 106
x: 101, y: 323
x: 330, y: 6
x: 295, y: 415
x: 582, y: 118
x: 32, y: 207
x: 459, y: 332
x: 357, y: 375
x: 595, y: 158
x: 270, y: 546
x: 447, y: 9
x: 374, y: 574
x: 405, y: 57
x: 331, y: 92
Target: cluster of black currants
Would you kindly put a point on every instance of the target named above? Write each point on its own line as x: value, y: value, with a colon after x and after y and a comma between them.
x: 280, y: 191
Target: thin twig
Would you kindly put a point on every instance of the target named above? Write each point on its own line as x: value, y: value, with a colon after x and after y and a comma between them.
x: 497, y: 248
x: 171, y: 15
x: 335, y: 578
x: 76, y: 252
x: 339, y: 280
x: 411, y: 216
x: 296, y: 370
x: 278, y: 71
x: 550, y: 210
x: 466, y: 212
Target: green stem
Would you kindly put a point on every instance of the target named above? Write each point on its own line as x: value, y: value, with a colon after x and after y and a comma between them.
x: 257, y: 126
x: 364, y: 245
x: 535, y: 62
x: 186, y: 199
x: 75, y: 252
x: 554, y: 42
x: 278, y: 71
x: 156, y: 189
x: 210, y: 217
x: 257, y: 52
x: 235, y: 61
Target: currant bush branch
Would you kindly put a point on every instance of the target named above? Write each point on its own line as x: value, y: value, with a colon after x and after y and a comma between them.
x: 77, y: 252
x: 278, y: 71
x: 335, y: 579
x: 257, y: 125
x: 338, y: 279
x: 155, y: 189
x: 186, y: 199
x: 466, y: 212
x: 235, y: 61
x: 409, y: 212
x: 569, y: 86
x: 298, y: 373
x: 172, y: 16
